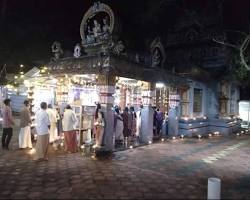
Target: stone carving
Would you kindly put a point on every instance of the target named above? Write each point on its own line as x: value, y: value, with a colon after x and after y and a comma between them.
x: 118, y: 48
x: 57, y: 50
x: 77, y: 51
x: 97, y: 31
x: 98, y: 34
x: 97, y: 6
x: 157, y: 53
x: 94, y: 30
x: 105, y: 29
x: 156, y: 58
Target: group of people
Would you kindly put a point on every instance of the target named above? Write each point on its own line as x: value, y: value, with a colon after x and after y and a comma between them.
x: 125, y: 123
x: 128, y: 123
x: 49, y: 127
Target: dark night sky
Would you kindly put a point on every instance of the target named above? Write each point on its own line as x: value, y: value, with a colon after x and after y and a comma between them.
x: 29, y: 27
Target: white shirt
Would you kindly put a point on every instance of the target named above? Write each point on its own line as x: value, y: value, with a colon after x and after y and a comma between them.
x: 42, y: 122
x: 69, y: 120
x: 52, y: 115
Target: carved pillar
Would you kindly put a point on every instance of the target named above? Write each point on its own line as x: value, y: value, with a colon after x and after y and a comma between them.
x: 148, y: 94
x: 122, y: 97
x: 106, y: 85
x: 147, y: 113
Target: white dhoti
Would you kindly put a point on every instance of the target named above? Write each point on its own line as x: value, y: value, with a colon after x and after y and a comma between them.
x: 53, y: 136
x: 41, y: 146
x: 25, y: 138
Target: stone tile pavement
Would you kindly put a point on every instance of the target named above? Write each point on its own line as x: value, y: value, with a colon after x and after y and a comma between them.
x: 169, y: 170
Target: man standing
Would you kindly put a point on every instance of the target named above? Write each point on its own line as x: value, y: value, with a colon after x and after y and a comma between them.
x: 8, y: 123
x: 69, y: 121
x: 53, y: 120
x: 25, y: 122
x: 42, y: 129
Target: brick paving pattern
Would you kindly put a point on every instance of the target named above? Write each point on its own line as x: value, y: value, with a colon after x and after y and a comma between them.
x: 170, y: 170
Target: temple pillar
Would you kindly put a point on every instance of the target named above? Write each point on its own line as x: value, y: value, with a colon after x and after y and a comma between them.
x: 173, y: 114
x: 106, y: 85
x: 147, y: 113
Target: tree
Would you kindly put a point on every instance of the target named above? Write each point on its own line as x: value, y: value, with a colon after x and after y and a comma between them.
x: 241, y: 46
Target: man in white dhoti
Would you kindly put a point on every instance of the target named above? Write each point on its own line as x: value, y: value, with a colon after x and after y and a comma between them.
x: 53, y: 135
x: 25, y: 122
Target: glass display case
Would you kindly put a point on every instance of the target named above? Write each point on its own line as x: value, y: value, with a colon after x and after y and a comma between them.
x: 85, y: 121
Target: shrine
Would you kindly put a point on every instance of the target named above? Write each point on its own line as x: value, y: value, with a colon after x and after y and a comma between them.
x: 102, y: 70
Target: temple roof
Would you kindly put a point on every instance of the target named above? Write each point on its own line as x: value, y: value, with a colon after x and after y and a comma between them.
x: 115, y: 65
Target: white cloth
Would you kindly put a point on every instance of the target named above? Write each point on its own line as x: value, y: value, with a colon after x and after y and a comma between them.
x: 42, y: 122
x: 53, y: 136
x: 25, y: 137
x: 53, y: 127
x: 69, y: 120
x: 138, y: 123
x: 52, y: 115
x: 119, y: 130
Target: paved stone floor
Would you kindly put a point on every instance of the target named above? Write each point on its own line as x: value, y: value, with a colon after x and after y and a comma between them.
x: 169, y: 170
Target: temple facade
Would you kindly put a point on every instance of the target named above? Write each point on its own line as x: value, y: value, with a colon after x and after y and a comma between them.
x: 175, y: 74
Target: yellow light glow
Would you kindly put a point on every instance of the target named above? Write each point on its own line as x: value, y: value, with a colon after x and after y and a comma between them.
x: 21, y: 65
x: 32, y: 151
x: 26, y: 83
